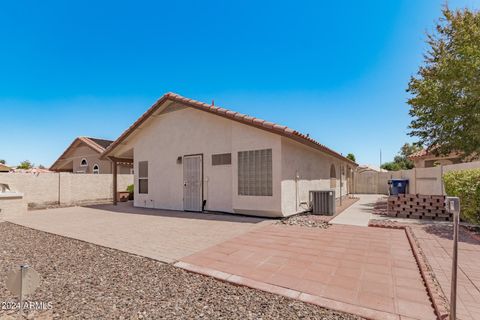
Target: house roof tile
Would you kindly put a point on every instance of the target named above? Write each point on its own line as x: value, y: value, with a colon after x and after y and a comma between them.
x: 242, y: 118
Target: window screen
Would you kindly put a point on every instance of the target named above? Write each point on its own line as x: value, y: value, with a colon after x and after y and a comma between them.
x: 143, y: 177
x: 221, y: 159
x: 255, y: 173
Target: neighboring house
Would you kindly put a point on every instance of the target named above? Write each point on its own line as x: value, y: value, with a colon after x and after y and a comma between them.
x: 32, y: 170
x: 83, y: 156
x: 369, y: 167
x: 426, y: 159
x: 4, y: 168
x: 193, y: 156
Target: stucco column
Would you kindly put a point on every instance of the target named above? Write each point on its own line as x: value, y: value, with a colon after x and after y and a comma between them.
x: 115, y: 173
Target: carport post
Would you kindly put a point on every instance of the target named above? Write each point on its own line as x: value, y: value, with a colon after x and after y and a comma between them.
x: 114, y: 182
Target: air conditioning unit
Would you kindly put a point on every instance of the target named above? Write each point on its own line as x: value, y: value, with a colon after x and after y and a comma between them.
x: 323, y: 202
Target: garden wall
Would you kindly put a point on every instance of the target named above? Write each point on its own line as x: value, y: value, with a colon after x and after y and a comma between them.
x: 64, y: 188
x: 425, y: 181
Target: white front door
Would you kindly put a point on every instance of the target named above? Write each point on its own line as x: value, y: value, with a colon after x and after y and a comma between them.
x: 192, y: 183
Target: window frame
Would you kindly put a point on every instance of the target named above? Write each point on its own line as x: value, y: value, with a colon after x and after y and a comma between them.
x: 97, y: 169
x: 142, y: 178
x: 222, y: 159
x: 255, y: 173
x: 82, y: 161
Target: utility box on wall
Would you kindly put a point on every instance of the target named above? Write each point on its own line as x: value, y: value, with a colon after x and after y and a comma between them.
x: 323, y: 202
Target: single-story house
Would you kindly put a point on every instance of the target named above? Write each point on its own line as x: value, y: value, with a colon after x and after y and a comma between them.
x: 193, y: 156
x: 428, y: 159
x: 83, y: 156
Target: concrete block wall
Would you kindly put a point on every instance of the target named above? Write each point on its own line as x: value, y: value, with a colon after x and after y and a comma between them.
x: 64, y: 188
x: 416, y: 206
x: 426, y: 181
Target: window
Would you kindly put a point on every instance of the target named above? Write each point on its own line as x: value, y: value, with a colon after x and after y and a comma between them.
x: 143, y: 177
x: 255, y: 173
x: 83, y: 163
x: 221, y: 159
x: 333, y: 177
x: 96, y: 169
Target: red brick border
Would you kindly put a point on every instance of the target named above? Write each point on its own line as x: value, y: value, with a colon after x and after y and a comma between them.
x: 436, y: 294
x: 326, y: 303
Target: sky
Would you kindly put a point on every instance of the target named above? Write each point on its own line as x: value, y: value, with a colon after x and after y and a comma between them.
x: 336, y: 70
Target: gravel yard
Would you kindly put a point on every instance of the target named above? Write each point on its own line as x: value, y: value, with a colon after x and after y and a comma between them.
x: 86, y: 281
x: 307, y: 220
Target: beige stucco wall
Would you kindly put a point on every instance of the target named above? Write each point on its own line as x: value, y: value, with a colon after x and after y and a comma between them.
x: 64, y: 188
x: 92, y: 157
x: 305, y: 169
x: 189, y: 131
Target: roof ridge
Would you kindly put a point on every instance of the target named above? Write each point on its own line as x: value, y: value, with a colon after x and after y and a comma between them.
x: 233, y: 115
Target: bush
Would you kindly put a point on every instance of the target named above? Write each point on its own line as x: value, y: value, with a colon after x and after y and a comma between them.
x: 465, y: 184
x: 130, y: 191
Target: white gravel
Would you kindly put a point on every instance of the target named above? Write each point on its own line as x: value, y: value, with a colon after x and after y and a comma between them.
x: 86, y: 281
x: 307, y: 220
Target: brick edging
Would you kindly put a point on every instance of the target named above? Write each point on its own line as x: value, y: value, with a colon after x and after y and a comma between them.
x: 325, y: 303
x: 435, y: 293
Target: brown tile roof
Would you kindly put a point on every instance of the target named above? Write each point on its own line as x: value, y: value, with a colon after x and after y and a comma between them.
x: 232, y: 115
x: 101, y: 142
x: 418, y: 154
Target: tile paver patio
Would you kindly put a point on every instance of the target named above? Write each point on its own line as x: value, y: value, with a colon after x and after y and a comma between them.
x: 369, y: 270
x: 162, y: 235
x: 436, y: 243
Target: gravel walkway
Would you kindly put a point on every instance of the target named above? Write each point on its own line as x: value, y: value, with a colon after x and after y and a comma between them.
x: 86, y: 281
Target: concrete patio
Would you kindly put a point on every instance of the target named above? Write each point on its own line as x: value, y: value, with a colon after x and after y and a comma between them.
x: 358, y: 214
x: 162, y: 235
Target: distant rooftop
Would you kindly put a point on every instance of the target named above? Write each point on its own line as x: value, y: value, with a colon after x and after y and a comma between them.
x: 101, y: 142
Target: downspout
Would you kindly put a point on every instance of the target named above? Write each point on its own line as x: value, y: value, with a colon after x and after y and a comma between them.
x: 59, y: 188
x: 296, y: 190
x: 340, y: 184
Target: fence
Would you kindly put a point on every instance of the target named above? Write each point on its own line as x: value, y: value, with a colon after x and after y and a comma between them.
x: 427, y: 181
x: 64, y: 188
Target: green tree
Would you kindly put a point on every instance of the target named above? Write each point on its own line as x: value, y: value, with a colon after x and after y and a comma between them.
x: 351, y: 156
x: 25, y: 165
x: 2, y: 161
x: 445, y: 101
x: 401, y: 161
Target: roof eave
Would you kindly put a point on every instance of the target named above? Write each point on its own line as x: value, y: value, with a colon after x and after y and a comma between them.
x: 235, y: 116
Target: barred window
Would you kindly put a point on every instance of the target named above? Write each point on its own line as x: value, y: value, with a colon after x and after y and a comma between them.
x: 255, y: 173
x: 221, y: 159
x: 143, y: 177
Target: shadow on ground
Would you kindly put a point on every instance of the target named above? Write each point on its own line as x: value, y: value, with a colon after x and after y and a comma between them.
x: 367, y: 207
x: 128, y: 208
x: 446, y: 231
